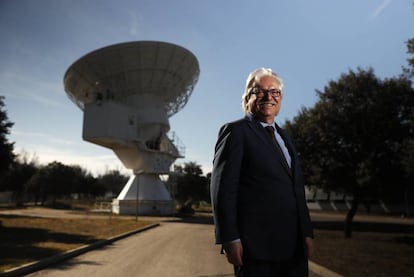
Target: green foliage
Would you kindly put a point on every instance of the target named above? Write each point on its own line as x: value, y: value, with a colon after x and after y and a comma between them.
x: 6, y: 148
x: 16, y: 179
x: 356, y: 136
x: 191, y: 185
x: 31, y: 182
x: 409, y: 72
x: 83, y: 183
x: 358, y: 139
x: 113, y: 181
x: 58, y: 180
x: 52, y: 180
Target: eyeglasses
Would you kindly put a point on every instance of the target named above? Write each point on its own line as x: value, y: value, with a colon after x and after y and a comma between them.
x: 276, y: 93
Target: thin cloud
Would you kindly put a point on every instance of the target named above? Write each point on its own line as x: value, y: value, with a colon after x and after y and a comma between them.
x: 134, y: 23
x: 39, y: 91
x: 384, y: 4
x: 46, y: 137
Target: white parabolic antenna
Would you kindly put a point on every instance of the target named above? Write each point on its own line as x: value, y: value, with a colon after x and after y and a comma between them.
x: 127, y: 92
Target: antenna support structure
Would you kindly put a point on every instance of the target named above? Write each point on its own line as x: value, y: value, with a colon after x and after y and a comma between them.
x: 127, y: 93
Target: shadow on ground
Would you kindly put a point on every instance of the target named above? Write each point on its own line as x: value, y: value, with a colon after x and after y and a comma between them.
x: 31, y: 244
x: 196, y: 219
x: 358, y: 226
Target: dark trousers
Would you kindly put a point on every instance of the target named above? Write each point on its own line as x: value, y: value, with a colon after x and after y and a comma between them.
x: 297, y: 267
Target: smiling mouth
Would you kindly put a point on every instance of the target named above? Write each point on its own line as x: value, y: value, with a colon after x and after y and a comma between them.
x: 267, y: 104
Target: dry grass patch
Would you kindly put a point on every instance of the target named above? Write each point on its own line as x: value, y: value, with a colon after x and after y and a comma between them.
x: 27, y: 239
x: 366, y: 253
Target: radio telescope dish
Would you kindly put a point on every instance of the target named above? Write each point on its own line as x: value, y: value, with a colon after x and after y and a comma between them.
x: 120, y: 71
x: 127, y: 92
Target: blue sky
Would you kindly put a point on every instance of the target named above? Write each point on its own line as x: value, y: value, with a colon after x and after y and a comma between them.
x: 308, y: 43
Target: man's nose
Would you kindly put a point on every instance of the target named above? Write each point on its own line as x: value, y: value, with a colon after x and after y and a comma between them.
x: 268, y: 95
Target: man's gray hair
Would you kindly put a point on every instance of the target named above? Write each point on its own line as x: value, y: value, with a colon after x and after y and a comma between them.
x: 253, y: 80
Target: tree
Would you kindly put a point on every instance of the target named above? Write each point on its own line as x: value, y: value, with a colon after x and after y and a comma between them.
x: 191, y: 185
x: 6, y: 148
x: 83, y: 183
x: 19, y: 173
x: 16, y: 179
x: 113, y: 181
x: 352, y: 140
x: 409, y: 72
x: 91, y: 186
x: 55, y: 180
x: 35, y: 186
x: 408, y: 169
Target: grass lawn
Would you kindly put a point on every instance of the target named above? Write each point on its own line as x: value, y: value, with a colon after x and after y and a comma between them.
x: 366, y: 253
x: 27, y: 239
x: 374, y: 250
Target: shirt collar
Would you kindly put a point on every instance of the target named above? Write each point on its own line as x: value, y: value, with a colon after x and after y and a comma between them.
x: 264, y: 124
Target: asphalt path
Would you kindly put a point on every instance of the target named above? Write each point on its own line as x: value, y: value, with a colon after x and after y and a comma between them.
x: 176, y: 249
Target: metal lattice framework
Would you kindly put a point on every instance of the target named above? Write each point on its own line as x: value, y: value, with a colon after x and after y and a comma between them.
x: 133, y: 68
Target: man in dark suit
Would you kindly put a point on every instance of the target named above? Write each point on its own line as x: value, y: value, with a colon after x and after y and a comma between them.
x: 257, y: 190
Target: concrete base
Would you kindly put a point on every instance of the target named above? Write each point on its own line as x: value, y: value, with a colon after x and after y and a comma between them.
x: 150, y: 192
x: 145, y: 207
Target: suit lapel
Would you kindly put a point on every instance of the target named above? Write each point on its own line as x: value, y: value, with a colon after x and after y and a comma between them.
x: 265, y: 138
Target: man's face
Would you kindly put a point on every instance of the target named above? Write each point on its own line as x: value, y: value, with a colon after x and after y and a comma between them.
x: 267, y: 104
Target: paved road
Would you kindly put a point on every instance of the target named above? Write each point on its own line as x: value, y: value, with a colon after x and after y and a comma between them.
x: 173, y: 249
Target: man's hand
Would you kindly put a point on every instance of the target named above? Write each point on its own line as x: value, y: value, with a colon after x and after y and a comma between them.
x: 234, y: 252
x: 309, y: 247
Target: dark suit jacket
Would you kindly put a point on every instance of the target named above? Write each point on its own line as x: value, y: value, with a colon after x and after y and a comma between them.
x: 256, y: 197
